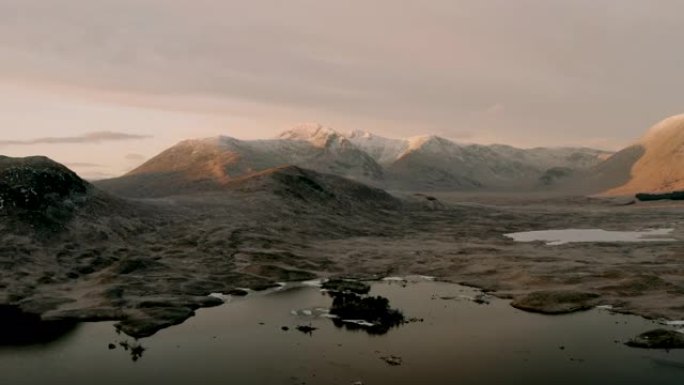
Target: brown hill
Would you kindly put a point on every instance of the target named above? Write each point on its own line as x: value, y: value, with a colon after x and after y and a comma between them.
x: 653, y: 165
x: 314, y: 188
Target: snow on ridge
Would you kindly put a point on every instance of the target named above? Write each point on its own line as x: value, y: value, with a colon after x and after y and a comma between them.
x: 315, y: 133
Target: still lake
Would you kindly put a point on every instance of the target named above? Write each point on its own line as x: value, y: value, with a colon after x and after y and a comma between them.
x: 459, y: 341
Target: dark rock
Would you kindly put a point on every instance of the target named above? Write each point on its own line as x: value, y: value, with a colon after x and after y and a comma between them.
x: 346, y: 285
x: 658, y: 339
x: 111, y: 346
x: 307, y: 329
x: 39, y: 191
x: 137, y: 265
x: 555, y: 301
x: 263, y: 286
x: 284, y: 328
x: 238, y: 292
x: 674, y: 195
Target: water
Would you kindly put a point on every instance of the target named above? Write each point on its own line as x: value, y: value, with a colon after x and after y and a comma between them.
x: 560, y: 237
x: 459, y: 341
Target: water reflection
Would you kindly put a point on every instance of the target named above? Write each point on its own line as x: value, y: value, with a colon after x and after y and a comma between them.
x: 135, y: 349
x: 253, y: 340
x: 563, y: 236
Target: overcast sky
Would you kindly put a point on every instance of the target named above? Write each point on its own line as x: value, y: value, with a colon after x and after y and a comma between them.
x: 102, y: 85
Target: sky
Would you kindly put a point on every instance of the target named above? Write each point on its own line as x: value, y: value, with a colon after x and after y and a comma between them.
x: 103, y: 85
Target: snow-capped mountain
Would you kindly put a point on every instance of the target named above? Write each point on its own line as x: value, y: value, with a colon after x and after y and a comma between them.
x: 433, y: 162
x: 423, y: 162
x: 385, y: 151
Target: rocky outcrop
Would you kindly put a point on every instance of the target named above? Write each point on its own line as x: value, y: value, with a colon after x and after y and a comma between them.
x: 314, y: 188
x: 674, y: 196
x: 39, y: 191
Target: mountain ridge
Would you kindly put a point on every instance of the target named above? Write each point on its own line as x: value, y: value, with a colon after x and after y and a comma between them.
x: 427, y: 162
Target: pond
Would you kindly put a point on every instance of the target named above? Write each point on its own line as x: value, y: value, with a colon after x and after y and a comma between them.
x: 563, y: 236
x: 459, y: 335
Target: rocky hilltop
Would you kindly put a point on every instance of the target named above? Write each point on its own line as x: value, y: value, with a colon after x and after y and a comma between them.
x: 40, y: 192
x: 314, y: 188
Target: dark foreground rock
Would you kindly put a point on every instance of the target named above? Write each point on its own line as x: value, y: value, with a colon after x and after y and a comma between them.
x: 555, y: 301
x: 38, y: 191
x: 675, y: 196
x: 658, y: 339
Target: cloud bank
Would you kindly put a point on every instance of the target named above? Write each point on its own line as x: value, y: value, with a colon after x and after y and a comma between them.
x: 88, y: 138
x: 561, y: 70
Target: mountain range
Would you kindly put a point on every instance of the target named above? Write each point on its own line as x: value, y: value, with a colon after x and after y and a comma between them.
x: 417, y: 163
